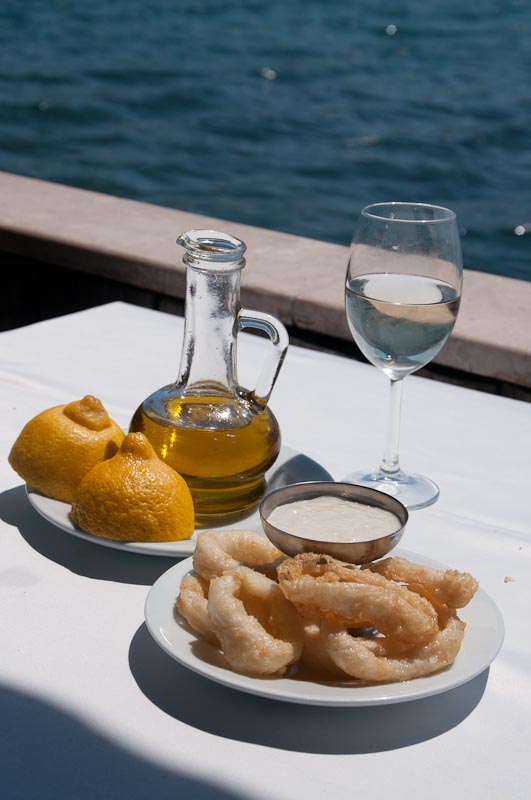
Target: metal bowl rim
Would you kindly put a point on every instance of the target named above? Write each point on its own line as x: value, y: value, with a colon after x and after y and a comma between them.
x: 401, y: 512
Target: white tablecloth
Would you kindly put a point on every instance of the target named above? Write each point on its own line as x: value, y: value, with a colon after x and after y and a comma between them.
x: 89, y: 705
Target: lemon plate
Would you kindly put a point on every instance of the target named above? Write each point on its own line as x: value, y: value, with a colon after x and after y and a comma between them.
x: 291, y: 466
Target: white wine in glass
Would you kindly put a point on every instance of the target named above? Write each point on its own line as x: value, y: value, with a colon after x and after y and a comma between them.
x: 402, y: 296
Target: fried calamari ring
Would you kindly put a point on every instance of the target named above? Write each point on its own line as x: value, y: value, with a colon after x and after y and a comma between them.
x: 358, y: 597
x: 315, y: 654
x: 452, y: 588
x: 386, y: 660
x: 192, y: 605
x: 259, y: 630
x: 217, y: 552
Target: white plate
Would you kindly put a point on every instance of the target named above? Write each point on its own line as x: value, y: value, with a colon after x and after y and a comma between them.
x: 483, y: 639
x: 290, y: 467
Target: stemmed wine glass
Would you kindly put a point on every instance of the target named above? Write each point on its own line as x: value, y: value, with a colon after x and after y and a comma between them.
x: 402, y: 296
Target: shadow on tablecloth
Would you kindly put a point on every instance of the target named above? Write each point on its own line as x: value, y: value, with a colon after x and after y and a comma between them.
x: 75, y: 554
x: 50, y: 754
x: 226, y: 712
x: 105, y: 563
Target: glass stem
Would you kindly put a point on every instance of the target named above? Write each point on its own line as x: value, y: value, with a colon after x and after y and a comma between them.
x: 390, y: 465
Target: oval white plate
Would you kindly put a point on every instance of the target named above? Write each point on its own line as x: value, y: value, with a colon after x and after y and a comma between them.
x: 482, y: 642
x: 290, y: 467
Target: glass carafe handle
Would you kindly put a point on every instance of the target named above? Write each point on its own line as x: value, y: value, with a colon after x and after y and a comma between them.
x: 280, y: 340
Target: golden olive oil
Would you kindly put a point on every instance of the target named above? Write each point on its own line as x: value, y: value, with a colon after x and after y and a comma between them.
x: 222, y: 446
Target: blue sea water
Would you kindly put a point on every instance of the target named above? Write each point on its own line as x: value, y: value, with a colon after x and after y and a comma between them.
x: 287, y: 114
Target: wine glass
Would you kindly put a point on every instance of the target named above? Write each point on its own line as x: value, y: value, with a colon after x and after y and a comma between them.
x: 402, y: 296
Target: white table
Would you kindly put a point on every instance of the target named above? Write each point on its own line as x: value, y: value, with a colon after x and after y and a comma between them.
x: 89, y: 705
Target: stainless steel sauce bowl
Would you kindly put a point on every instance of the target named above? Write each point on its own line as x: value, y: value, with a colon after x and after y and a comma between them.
x: 353, y: 552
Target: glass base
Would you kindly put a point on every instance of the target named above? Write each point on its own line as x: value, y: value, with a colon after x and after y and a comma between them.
x: 414, y: 491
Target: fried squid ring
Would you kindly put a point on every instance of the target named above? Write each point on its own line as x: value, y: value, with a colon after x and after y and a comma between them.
x: 386, y: 660
x: 192, y: 605
x: 259, y: 630
x: 315, y: 654
x: 452, y: 588
x: 358, y: 597
x: 217, y: 552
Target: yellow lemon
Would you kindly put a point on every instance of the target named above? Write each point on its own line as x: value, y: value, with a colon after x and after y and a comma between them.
x: 134, y: 497
x: 58, y: 447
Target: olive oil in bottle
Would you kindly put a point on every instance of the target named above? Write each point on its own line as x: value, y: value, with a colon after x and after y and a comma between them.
x: 222, y: 450
x: 220, y: 437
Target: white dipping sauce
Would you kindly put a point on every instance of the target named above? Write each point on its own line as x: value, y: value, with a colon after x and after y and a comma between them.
x: 332, y: 519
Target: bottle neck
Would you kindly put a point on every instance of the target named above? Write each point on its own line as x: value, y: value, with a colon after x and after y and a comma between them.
x: 208, y: 358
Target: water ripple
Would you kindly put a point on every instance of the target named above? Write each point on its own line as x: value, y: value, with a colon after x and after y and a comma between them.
x: 285, y: 115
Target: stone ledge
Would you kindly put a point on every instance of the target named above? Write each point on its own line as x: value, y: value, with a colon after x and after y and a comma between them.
x: 299, y: 280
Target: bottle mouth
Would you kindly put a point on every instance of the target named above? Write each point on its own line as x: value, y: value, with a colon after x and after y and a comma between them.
x: 212, y: 250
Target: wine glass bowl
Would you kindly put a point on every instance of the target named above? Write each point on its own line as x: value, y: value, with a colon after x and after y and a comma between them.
x: 402, y: 295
